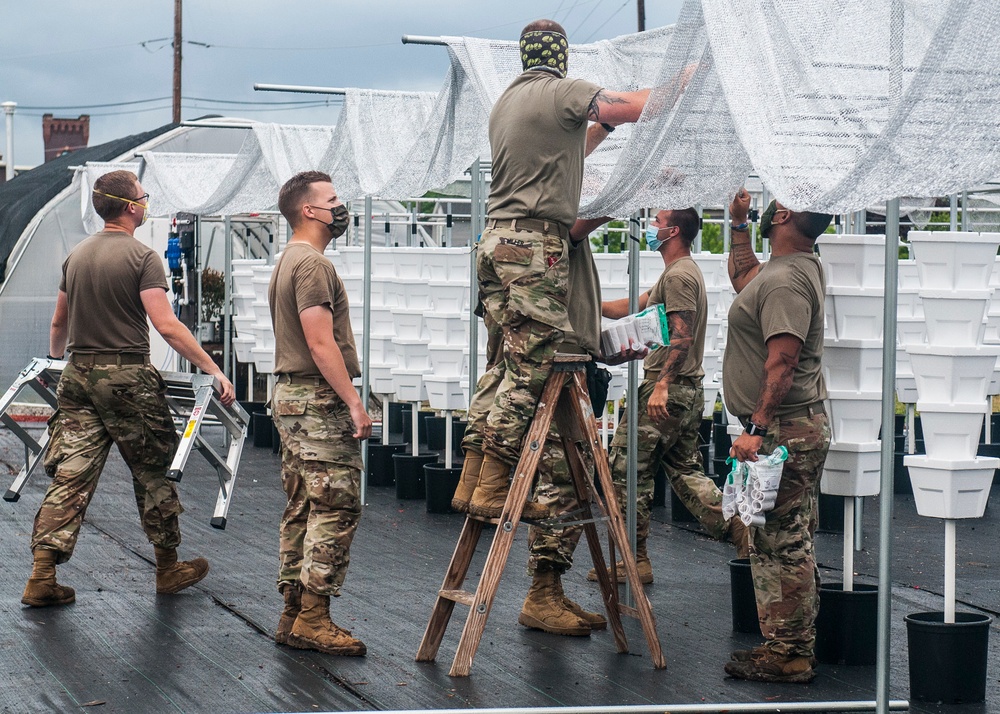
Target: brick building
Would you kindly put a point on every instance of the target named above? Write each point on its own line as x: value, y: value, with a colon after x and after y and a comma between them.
x: 64, y: 136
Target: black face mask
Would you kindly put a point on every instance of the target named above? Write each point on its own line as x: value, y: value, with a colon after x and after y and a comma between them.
x: 544, y: 49
x: 340, y: 217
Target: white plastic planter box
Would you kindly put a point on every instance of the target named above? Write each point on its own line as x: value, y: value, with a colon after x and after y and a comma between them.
x: 951, y: 489
x: 383, y: 351
x: 713, y: 296
x: 735, y: 430
x: 991, y: 335
x: 908, y: 303
x: 711, y: 395
x: 263, y: 359
x: 357, y: 313
x: 613, y: 268
x: 448, y: 361
x: 446, y: 392
x: 261, y: 313
x: 243, y: 282
x: 712, y: 332
x: 855, y: 417
x: 650, y: 268
x: 354, y: 286
x: 906, y: 388
x: 951, y: 431
x: 451, y: 264
x: 408, y: 384
x: 263, y: 336
x: 349, y: 260
x: 409, y: 262
x: 856, y: 261
x: 909, y: 278
x: 856, y: 313
x: 416, y: 293
x: 853, y: 365
x: 618, y: 383
x: 711, y: 363
x: 852, y: 469
x: 412, y: 354
x: 955, y: 318
x: 382, y: 322
x: 244, y: 348
x: 260, y: 281
x: 446, y: 329
x: 449, y: 297
x: 953, y: 375
x: 409, y: 324
x: 726, y: 295
x: 383, y: 264
x: 243, y: 304
x: 713, y: 267
x: 244, y: 325
x: 381, y: 378
x: 911, y: 331
x: 956, y: 260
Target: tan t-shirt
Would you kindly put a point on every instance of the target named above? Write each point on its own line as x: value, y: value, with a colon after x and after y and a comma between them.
x: 304, y: 278
x: 583, y: 300
x: 102, y: 278
x: 538, y: 130
x: 681, y: 287
x: 786, y: 297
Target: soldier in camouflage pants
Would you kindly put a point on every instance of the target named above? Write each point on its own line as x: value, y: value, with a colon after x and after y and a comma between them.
x: 321, y: 476
x: 100, y: 405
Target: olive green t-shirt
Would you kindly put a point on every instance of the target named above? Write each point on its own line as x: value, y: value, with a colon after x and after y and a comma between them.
x: 786, y: 297
x: 583, y: 300
x: 304, y: 278
x: 681, y: 287
x: 102, y: 278
x: 538, y: 130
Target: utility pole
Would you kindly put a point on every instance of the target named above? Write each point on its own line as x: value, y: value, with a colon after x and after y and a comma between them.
x: 8, y: 109
x: 640, y: 6
x: 177, y: 62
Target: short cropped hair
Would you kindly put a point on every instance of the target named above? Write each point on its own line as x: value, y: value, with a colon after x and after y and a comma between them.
x: 811, y: 224
x: 295, y: 193
x: 543, y: 26
x: 688, y: 220
x: 117, y: 183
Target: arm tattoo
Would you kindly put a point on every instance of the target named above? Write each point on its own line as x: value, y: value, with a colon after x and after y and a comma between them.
x: 776, y: 381
x: 743, y: 259
x: 594, y: 112
x: 681, y: 338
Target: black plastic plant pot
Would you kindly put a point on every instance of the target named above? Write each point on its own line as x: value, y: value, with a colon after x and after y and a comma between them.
x: 440, y: 484
x: 407, y: 419
x: 410, y: 474
x: 381, y: 470
x: 901, y: 485
x: 252, y: 408
x: 396, y: 410
x: 831, y: 513
x: 948, y: 660
x: 743, y: 598
x: 261, y: 430
x: 847, y: 626
x: 436, y: 433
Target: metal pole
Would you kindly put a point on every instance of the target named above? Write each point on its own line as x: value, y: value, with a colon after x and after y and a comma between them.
x: 965, y: 210
x: 423, y: 40
x: 632, y: 402
x: 727, y: 233
x: 888, y: 461
x: 8, y: 110
x: 227, y: 308
x: 476, y: 218
x: 640, y: 6
x: 177, y: 62
x: 953, y: 212
x: 740, y: 708
x: 366, y: 346
x: 298, y: 88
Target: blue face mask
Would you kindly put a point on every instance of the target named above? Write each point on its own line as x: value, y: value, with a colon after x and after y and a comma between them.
x: 652, y: 242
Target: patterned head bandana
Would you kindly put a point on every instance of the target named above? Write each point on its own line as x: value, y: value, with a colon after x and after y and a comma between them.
x: 544, y: 49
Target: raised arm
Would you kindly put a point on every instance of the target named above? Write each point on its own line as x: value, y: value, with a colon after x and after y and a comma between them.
x: 743, y: 263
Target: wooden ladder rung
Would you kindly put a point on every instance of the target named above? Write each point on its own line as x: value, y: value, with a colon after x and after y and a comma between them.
x: 463, y: 597
x: 628, y: 610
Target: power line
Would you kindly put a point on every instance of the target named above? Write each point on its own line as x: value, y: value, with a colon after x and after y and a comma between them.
x: 74, y: 107
x: 592, y: 11
x: 610, y: 18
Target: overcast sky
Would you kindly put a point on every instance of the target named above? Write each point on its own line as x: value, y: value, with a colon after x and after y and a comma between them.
x: 66, y: 57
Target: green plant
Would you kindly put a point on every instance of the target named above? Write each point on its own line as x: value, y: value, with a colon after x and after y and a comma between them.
x: 213, y: 294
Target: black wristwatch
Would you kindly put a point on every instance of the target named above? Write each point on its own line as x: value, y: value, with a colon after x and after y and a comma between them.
x: 607, y: 127
x: 756, y: 429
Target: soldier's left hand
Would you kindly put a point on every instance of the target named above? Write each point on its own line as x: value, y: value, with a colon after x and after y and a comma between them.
x: 626, y: 355
x: 745, y: 447
x: 656, y: 407
x: 225, y: 388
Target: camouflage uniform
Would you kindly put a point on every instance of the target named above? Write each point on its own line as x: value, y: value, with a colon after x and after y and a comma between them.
x: 486, y: 387
x: 99, y: 405
x: 675, y: 445
x: 523, y: 281
x: 782, y: 560
x: 321, y: 475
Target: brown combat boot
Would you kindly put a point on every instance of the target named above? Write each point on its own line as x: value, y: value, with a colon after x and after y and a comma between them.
x: 471, y: 467
x: 174, y: 575
x: 545, y: 608
x: 747, y: 655
x: 642, y: 564
x: 739, y: 535
x: 596, y: 620
x: 293, y: 603
x: 490, y: 495
x: 764, y: 665
x: 42, y: 589
x: 313, y: 629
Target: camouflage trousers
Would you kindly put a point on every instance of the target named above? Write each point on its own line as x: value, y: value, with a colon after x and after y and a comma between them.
x: 674, y: 445
x: 486, y: 388
x: 523, y: 282
x: 321, y: 476
x: 782, y: 560
x: 99, y: 405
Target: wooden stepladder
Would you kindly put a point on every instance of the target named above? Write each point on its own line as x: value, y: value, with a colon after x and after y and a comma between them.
x: 565, y: 399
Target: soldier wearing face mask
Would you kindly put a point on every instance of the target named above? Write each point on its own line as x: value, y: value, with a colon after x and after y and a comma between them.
x: 109, y: 393
x: 671, y: 396
x: 319, y: 416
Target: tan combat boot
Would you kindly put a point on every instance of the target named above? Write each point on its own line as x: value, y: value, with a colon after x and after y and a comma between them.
x: 174, y: 575
x: 313, y: 629
x: 594, y: 619
x: 490, y: 495
x: 642, y: 564
x: 764, y: 665
x: 471, y: 467
x: 293, y: 603
x: 42, y: 589
x: 545, y: 608
x: 739, y: 535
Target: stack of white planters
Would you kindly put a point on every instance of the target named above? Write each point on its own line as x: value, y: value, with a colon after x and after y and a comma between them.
x: 953, y: 372
x: 854, y: 266
x: 910, y: 329
x: 719, y: 296
x: 262, y: 351
x: 243, y: 312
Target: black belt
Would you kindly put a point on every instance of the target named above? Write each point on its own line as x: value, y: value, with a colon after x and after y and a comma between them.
x: 295, y: 379
x: 531, y: 224
x: 87, y: 359
x: 806, y: 411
